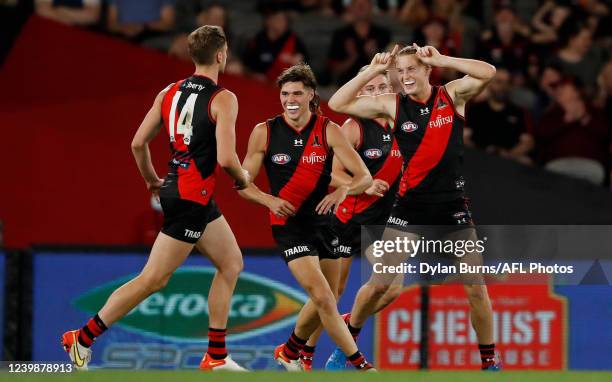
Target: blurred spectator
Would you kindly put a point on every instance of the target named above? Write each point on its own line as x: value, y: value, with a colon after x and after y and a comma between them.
x: 435, y: 33
x: 354, y: 45
x: 547, y: 21
x: 498, y: 126
x: 605, y: 84
x: 191, y: 14
x: 548, y: 78
x: 146, y: 21
x: 71, y: 12
x: 463, y: 31
x: 573, y: 138
x: 274, y: 48
x: 578, y: 57
x: 506, y: 43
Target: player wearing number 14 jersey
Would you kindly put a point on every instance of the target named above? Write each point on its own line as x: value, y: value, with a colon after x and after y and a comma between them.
x: 199, y: 117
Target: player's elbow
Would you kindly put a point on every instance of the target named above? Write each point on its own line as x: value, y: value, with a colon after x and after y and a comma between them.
x: 225, y: 161
x: 489, y: 72
x: 138, y: 144
x: 335, y: 104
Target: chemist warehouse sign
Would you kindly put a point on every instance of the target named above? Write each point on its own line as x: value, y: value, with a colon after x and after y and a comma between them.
x: 529, y: 324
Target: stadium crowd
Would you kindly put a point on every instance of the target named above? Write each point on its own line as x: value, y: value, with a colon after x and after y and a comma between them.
x: 550, y: 103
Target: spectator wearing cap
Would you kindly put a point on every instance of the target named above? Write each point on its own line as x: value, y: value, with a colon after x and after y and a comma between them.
x: 274, y: 48
x: 573, y: 137
x: 354, y: 45
x: 497, y: 125
x: 71, y: 12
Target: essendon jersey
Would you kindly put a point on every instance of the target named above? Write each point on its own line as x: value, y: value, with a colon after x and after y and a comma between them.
x: 379, y: 151
x: 193, y: 143
x: 298, y: 164
x: 430, y: 138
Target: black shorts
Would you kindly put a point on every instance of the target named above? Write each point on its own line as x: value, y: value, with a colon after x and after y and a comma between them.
x: 185, y: 220
x: 454, y: 214
x: 350, y: 235
x: 301, y: 237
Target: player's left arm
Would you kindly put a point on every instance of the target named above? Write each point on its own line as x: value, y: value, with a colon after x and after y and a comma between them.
x: 477, y: 75
x: 149, y: 128
x: 349, y: 158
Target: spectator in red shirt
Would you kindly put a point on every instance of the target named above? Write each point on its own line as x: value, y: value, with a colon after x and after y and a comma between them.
x: 275, y: 48
x: 573, y: 137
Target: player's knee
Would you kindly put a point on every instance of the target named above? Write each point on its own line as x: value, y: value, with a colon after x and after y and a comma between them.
x: 234, y: 268
x: 379, y: 289
x: 323, y: 298
x: 393, y: 293
x: 154, y: 283
x: 476, y: 294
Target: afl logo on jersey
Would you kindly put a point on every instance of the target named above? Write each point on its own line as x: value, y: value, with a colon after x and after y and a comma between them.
x: 281, y: 158
x: 372, y: 153
x: 409, y: 127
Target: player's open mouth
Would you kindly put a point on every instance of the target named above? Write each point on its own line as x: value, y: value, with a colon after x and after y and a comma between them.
x: 293, y: 107
x: 409, y: 83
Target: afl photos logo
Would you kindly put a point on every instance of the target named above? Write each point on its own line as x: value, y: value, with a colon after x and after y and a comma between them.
x: 373, y: 153
x: 281, y: 158
x: 409, y: 127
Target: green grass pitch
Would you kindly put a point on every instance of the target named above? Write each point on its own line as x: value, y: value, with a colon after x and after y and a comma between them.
x: 407, y: 376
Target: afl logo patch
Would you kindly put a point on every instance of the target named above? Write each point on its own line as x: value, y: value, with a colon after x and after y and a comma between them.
x: 373, y: 153
x: 409, y: 127
x: 281, y: 158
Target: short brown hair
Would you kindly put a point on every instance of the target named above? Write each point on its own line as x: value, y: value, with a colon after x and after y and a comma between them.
x: 301, y: 73
x: 204, y: 43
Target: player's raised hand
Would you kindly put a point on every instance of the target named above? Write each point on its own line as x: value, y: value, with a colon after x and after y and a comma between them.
x: 429, y: 55
x: 384, y: 61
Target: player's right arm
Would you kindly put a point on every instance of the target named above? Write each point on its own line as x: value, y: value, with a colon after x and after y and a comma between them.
x: 340, y: 176
x: 346, y: 99
x: 148, y: 129
x: 252, y: 163
x: 224, y: 109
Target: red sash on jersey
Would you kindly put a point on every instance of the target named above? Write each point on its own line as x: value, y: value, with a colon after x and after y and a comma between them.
x: 432, y: 146
x: 356, y: 204
x: 308, y: 171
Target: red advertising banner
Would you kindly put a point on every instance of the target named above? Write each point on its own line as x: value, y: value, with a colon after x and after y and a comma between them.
x: 529, y: 326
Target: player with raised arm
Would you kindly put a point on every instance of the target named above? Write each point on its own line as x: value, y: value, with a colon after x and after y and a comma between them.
x: 428, y: 127
x: 199, y: 117
x: 374, y: 142
x: 297, y: 148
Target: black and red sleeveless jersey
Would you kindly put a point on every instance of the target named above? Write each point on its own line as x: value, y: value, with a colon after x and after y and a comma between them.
x: 379, y: 151
x: 193, y: 143
x: 298, y: 164
x: 430, y: 138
